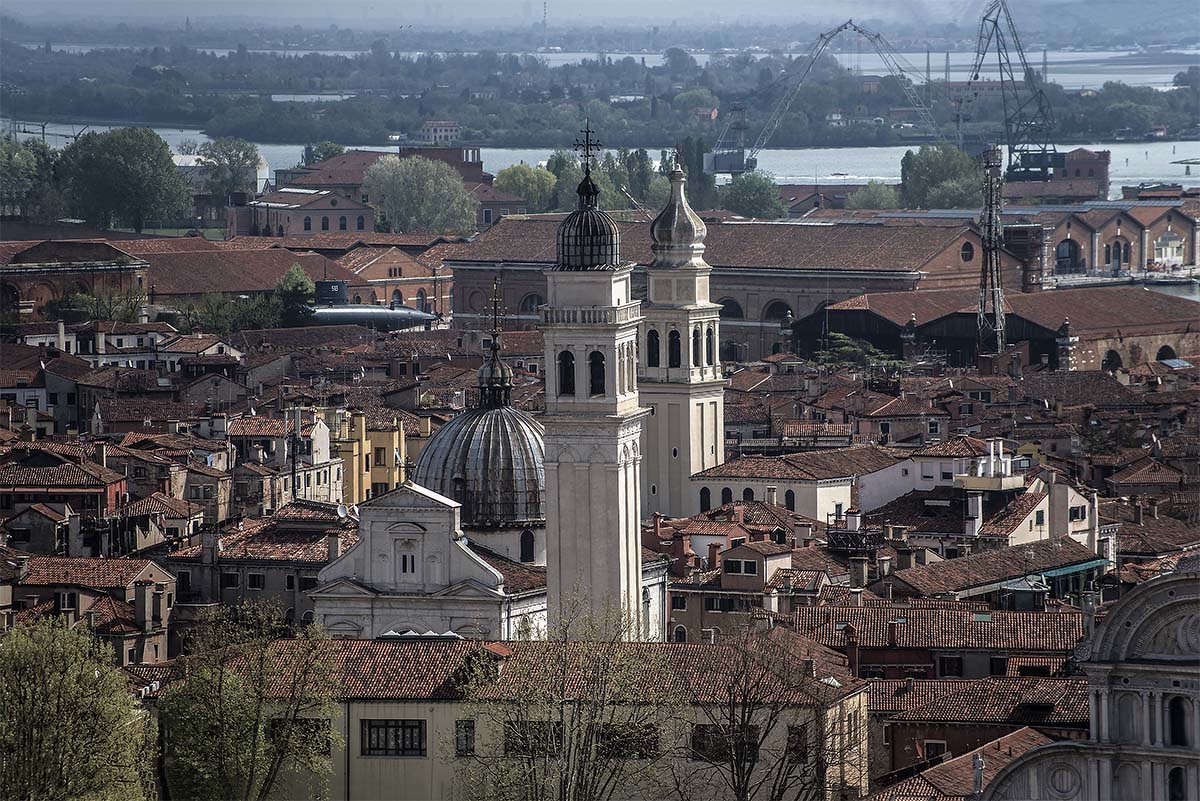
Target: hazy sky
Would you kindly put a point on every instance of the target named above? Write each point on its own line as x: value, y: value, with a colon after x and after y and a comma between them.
x: 463, y: 11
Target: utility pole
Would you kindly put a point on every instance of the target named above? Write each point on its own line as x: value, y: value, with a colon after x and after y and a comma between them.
x: 991, y: 292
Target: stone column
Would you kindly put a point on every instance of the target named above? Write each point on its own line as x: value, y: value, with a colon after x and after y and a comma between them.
x: 1106, y: 733
x: 1106, y: 777
x: 1145, y: 248
x: 1094, y: 261
x: 1148, y: 700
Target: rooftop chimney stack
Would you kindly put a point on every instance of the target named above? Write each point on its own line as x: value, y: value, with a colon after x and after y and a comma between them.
x: 773, y: 496
x: 714, y: 548
x: 858, y: 572
x: 1138, y: 513
x: 141, y: 605
x: 853, y: 518
x: 333, y: 545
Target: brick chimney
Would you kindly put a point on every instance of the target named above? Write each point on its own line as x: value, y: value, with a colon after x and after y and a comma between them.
x: 1138, y: 514
x: 856, y: 596
x: 333, y: 546
x: 904, y: 558
x: 141, y: 605
x: 858, y: 571
x: 892, y: 630
x: 851, y: 637
x: 160, y: 603
x: 714, y: 548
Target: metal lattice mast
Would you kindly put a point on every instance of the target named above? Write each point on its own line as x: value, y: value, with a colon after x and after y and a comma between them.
x: 991, y: 291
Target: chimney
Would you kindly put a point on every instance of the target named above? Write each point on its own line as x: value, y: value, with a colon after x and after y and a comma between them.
x: 808, y: 667
x: 852, y: 519
x: 333, y: 546
x: 714, y: 548
x: 1138, y: 515
x: 892, y: 630
x: 856, y: 596
x: 1154, y: 508
x: 858, y: 572
x: 851, y: 636
x: 657, y: 517
x: 804, y: 533
x: 887, y: 591
x: 909, y: 684
x: 101, y: 453
x: 426, y: 426
x: 60, y: 337
x: 977, y: 765
x: 904, y: 557
x: 101, y: 345
x: 143, y: 314
x: 773, y: 496
x: 974, y: 513
x: 22, y: 568
x: 141, y: 604
x: 210, y: 546
x: 884, y: 565
x: 160, y: 604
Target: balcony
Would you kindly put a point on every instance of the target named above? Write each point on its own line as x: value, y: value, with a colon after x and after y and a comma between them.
x: 592, y: 315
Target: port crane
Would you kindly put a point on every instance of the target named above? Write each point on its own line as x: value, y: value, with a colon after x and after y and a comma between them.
x: 730, y: 154
x: 1028, y: 116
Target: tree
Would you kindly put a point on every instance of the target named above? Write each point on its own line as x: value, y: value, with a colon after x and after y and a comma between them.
x: 535, y: 184
x: 420, y: 194
x: 18, y: 172
x: 840, y: 350
x: 294, y: 295
x: 571, y: 718
x: 768, y: 729
x: 875, y: 195
x: 230, y: 165
x: 188, y: 147
x: 70, y: 727
x: 315, y: 154
x: 102, y: 303
x: 754, y: 194
x: 932, y: 165
x: 701, y: 187
x: 124, y: 176
x: 246, y: 711
x: 27, y: 183
x: 964, y: 192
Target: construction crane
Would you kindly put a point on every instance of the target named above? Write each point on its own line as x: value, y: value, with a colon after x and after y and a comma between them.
x: 991, y: 290
x: 1028, y: 116
x: 730, y: 154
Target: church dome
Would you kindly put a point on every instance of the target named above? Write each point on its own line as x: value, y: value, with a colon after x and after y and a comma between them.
x: 490, y: 461
x: 677, y: 232
x: 588, y: 239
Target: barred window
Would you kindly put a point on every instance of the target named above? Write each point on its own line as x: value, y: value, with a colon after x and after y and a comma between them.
x: 464, y: 737
x: 393, y: 738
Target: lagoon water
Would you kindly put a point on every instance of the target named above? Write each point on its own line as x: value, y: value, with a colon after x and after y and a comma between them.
x: 1132, y: 162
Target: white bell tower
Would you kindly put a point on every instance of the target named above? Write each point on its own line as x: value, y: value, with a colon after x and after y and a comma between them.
x: 593, y: 421
x: 679, y: 372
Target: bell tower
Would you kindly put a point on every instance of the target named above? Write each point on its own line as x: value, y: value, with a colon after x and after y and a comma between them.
x: 593, y: 421
x: 679, y: 372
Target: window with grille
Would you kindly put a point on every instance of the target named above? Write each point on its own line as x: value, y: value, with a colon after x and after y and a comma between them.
x: 393, y: 738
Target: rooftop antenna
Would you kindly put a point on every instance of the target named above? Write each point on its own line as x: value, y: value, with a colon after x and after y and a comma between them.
x: 991, y: 292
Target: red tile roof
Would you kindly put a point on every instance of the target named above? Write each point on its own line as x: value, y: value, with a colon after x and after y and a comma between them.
x: 990, y: 567
x: 809, y: 466
x: 84, y: 571
x: 1021, y: 701
x: 233, y: 271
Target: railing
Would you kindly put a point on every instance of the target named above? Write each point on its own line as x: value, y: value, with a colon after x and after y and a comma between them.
x: 580, y: 315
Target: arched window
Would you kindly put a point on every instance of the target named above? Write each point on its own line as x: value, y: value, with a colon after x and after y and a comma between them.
x: 1164, y: 353
x: 776, y: 310
x: 674, y: 354
x: 748, y: 494
x: 397, y: 297
x: 731, y: 309
x: 1108, y: 250
x: 308, y: 223
x: 696, y: 360
x: 362, y: 223
x: 789, y: 500
x: 1112, y: 361
x: 705, y: 499
x: 279, y: 230
x: 726, y: 496
x: 710, y: 346
x: 342, y: 226
x: 526, y: 546
x: 324, y: 223
x: 596, y: 373
x: 307, y: 617
x: 421, y: 300
x: 1127, y: 254
x: 680, y: 634
x: 1067, y: 257
x: 1128, y: 716
x: 1177, y: 718
x: 652, y: 348
x: 1176, y: 785
x: 531, y: 302
x: 566, y: 373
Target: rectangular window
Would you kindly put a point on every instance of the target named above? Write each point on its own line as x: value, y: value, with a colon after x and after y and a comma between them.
x: 289, y: 583
x: 627, y: 741
x: 934, y: 748
x: 487, y: 216
x: 950, y: 666
x: 256, y: 581
x: 70, y: 398
x: 308, y: 583
x: 229, y: 581
x: 183, y: 580
x: 379, y: 488
x: 408, y: 563
x: 718, y: 744
x: 380, y: 457
x: 395, y: 738
x: 935, y: 427
x: 998, y: 666
x: 679, y: 603
x: 733, y: 566
x: 712, y: 603
x: 464, y: 737
x: 885, y: 428
x: 1039, y: 517
x: 750, y: 567
x: 797, y: 744
x: 52, y: 398
x: 927, y: 472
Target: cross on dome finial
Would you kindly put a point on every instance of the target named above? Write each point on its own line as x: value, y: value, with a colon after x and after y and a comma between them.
x: 496, y: 300
x: 588, y: 146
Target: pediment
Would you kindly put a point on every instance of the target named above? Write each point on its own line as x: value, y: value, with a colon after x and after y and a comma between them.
x: 409, y: 496
x: 468, y: 589
x: 344, y: 586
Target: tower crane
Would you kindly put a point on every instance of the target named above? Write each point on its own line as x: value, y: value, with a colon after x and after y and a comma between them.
x: 1028, y: 116
x: 730, y: 154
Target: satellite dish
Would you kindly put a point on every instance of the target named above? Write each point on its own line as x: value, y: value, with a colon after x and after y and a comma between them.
x: 341, y: 511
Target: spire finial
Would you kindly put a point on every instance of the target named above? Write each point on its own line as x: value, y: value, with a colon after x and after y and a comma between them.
x: 496, y: 300
x: 587, y: 147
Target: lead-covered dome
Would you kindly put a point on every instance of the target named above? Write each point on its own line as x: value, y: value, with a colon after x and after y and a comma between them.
x: 490, y: 461
x: 588, y: 239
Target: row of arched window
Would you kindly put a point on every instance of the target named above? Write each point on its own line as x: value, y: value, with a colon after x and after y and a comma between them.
x: 566, y: 373
x: 789, y: 498
x: 343, y: 223
x: 704, y: 348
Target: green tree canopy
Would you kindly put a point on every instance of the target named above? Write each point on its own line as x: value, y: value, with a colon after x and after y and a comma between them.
x: 420, y: 194
x: 248, y: 711
x: 535, y: 184
x: 124, y: 176
x: 294, y: 295
x: 925, y: 169
x: 964, y: 192
x: 875, y: 195
x: 314, y: 154
x: 754, y: 194
x: 70, y: 728
x: 230, y: 165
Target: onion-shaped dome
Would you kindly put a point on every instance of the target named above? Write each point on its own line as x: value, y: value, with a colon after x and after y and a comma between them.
x: 490, y: 461
x: 678, y: 232
x: 495, y: 379
x: 588, y: 239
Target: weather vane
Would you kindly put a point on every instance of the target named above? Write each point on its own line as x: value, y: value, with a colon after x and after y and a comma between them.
x: 587, y: 146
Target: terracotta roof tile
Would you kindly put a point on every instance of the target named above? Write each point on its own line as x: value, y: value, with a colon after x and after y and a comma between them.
x: 84, y: 571
x: 233, y: 271
x: 990, y: 567
x: 1022, y: 701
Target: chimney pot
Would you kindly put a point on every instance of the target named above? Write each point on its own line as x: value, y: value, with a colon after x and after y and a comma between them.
x: 773, y: 496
